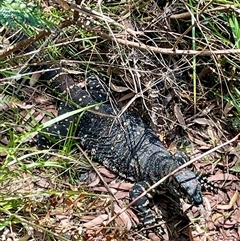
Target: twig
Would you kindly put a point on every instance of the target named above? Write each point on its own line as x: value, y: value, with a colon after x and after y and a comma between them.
x: 29, y: 41
x: 95, y: 169
x: 190, y: 27
x: 32, y: 224
x: 23, y: 44
x: 167, y: 51
x: 187, y: 15
x: 96, y: 15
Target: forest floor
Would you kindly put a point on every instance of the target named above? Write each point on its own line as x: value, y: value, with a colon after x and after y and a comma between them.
x: 176, y: 66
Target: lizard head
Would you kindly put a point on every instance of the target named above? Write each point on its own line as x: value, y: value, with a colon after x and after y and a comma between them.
x: 186, y: 185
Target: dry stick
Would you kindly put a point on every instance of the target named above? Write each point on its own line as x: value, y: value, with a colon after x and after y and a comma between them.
x: 187, y: 15
x: 32, y: 224
x: 23, y: 44
x: 95, y: 169
x: 30, y: 40
x: 173, y: 51
x: 131, y: 6
x: 190, y: 27
x: 94, y: 14
x: 169, y: 175
x: 143, y: 46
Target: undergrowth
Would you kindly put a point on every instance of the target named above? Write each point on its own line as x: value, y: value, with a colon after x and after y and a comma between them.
x: 127, y: 43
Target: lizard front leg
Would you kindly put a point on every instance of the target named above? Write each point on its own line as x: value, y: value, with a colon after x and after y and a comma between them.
x: 142, y: 207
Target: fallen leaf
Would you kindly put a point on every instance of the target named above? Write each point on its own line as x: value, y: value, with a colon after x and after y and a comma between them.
x: 231, y: 203
x: 126, y: 97
x: 34, y: 78
x: 24, y: 106
x: 223, y: 177
x: 103, y: 189
x: 123, y: 216
x: 179, y: 115
x: 202, y: 121
x: 120, y: 195
x: 228, y: 107
x: 154, y: 237
x: 216, y: 216
x: 230, y: 223
x: 63, y: 4
x: 24, y: 238
x: 95, y: 182
x: 106, y: 172
x: 117, y: 88
x: 197, y: 141
x: 121, y: 185
x: 96, y: 221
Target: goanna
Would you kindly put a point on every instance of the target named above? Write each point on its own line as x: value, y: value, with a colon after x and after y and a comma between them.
x: 122, y: 143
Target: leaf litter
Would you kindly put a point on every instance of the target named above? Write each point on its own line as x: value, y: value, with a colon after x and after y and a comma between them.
x: 72, y: 211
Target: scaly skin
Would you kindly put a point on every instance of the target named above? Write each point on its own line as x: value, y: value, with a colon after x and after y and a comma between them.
x: 124, y: 144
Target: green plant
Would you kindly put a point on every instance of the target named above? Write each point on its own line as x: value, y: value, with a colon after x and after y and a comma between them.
x: 16, y: 13
x: 234, y: 99
x: 234, y: 24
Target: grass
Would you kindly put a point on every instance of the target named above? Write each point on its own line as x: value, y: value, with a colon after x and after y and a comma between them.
x: 48, y: 198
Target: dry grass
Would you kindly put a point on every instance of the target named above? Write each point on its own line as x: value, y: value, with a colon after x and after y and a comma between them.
x: 176, y: 66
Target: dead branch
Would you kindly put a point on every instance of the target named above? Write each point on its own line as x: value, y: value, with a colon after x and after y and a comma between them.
x: 23, y: 44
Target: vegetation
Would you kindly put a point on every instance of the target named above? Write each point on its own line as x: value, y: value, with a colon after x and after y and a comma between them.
x: 176, y: 64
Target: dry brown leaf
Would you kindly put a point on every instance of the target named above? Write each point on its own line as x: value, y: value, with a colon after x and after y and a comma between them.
x: 179, y: 115
x: 24, y: 106
x: 56, y: 200
x: 235, y: 151
x: 120, y: 195
x: 34, y: 78
x: 132, y: 215
x: 203, y: 121
x: 68, y: 201
x: 230, y: 223
x: 216, y: 216
x: 27, y: 115
x: 154, y: 237
x: 106, y: 172
x: 8, y: 102
x: 42, y: 99
x: 238, y: 215
x: 190, y: 235
x: 63, y: 4
x: 212, y: 134
x: 123, y: 216
x: 95, y: 182
x: 87, y: 218
x: 103, y: 189
x: 28, y: 121
x: 126, y: 97
x: 228, y: 107
x: 222, y: 177
x: 198, y: 142
x: 121, y: 185
x: 96, y: 221
x: 3, y: 154
x: 39, y: 117
x: 24, y: 238
x: 231, y: 203
x: 117, y: 88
